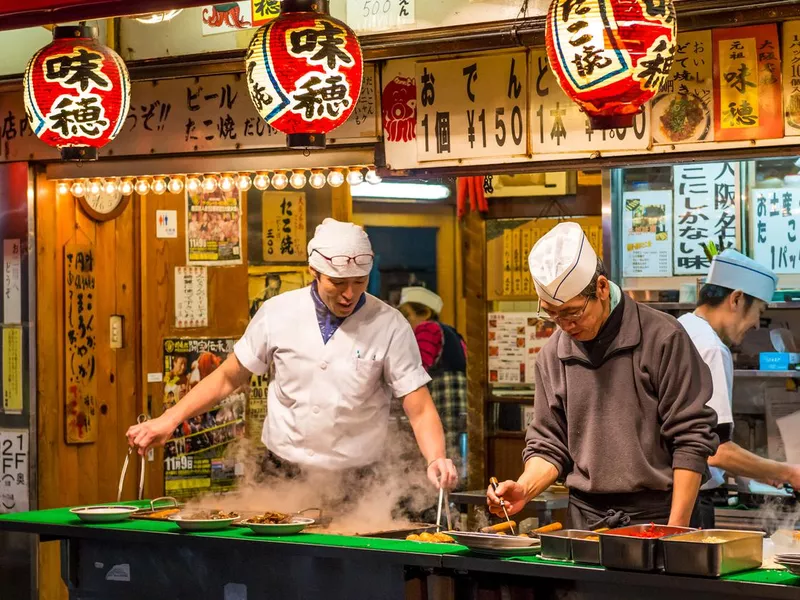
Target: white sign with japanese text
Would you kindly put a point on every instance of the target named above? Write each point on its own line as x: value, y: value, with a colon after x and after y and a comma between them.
x: 12, y: 279
x: 472, y: 107
x: 705, y: 208
x: 646, y: 230
x: 775, y: 213
x: 14, y: 471
x: 191, y: 297
x: 379, y: 15
x: 559, y: 126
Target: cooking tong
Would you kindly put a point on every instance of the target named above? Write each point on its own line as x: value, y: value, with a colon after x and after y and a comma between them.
x: 140, y: 419
x: 443, y: 498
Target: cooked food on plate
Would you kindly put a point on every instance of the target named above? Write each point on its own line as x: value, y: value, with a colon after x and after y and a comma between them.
x: 439, y: 538
x: 209, y: 515
x: 271, y: 518
x: 682, y: 117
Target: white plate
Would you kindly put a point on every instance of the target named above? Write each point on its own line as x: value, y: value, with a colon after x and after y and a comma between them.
x: 296, y: 526
x: 201, y: 524
x: 107, y: 513
x: 492, y: 541
x: 508, y: 552
x: 659, y: 108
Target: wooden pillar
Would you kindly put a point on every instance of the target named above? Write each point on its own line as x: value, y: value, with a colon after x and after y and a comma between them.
x: 341, y: 203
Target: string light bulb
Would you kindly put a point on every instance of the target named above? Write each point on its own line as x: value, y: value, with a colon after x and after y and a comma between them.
x: 159, y: 186
x: 355, y: 177
x: 280, y: 180
x: 335, y: 178
x: 94, y: 187
x: 62, y: 188
x: 372, y: 176
x: 209, y: 184
x: 175, y: 185
x: 298, y: 179
x: 126, y: 187
x: 110, y: 187
x: 78, y: 189
x: 243, y: 182
x: 226, y: 182
x: 317, y: 179
x: 193, y: 184
x: 142, y: 187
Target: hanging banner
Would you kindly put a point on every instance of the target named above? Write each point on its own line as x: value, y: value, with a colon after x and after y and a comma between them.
x: 706, y: 209
x: 775, y: 213
x: 472, y: 107
x: 213, y: 228
x: 559, y: 126
x: 747, y: 82
x: 683, y: 110
x: 791, y: 77
x: 646, y: 230
x: 284, y: 227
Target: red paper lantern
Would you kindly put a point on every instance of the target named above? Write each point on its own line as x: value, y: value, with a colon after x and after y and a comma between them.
x: 304, y: 73
x: 611, y: 56
x: 77, y: 93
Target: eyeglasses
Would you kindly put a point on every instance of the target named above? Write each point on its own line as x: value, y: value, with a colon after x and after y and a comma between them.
x: 571, y: 316
x: 362, y: 260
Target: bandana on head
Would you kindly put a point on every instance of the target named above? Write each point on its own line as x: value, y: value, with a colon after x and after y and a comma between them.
x: 335, y: 238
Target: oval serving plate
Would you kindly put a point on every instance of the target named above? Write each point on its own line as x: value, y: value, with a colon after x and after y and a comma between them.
x: 201, y: 524
x: 497, y: 545
x: 106, y: 513
x: 297, y: 525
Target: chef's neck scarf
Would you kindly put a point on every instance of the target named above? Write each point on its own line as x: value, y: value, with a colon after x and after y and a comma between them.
x: 329, y: 322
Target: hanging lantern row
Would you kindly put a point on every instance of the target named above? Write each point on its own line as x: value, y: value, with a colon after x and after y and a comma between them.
x: 611, y: 56
x: 225, y: 182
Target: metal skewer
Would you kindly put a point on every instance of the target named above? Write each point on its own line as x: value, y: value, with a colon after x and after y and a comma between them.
x: 494, y: 483
x: 439, y: 511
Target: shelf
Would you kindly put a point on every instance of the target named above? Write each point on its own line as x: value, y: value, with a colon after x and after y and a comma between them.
x: 755, y: 374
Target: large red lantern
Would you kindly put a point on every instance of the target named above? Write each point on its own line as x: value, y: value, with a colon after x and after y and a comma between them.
x: 77, y: 93
x: 304, y: 73
x: 611, y: 56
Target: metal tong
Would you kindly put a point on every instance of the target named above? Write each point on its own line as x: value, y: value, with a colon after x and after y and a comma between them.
x: 443, y: 498
x: 493, y: 481
x: 140, y: 419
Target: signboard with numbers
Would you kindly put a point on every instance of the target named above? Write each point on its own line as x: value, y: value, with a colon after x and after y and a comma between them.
x: 14, y: 491
x: 646, y: 230
x: 706, y: 200
x: 472, y: 107
x: 558, y: 125
x: 775, y: 213
x: 379, y: 15
x: 791, y: 77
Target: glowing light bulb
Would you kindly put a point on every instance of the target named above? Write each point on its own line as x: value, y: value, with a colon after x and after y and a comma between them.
x: 226, y: 183
x: 62, y: 188
x: 159, y: 186
x: 193, y: 185
x: 280, y: 180
x: 354, y: 177
x: 126, y: 187
x: 243, y: 182
x: 317, y: 180
x: 373, y: 177
x: 175, y: 185
x: 78, y: 189
x: 298, y: 180
x: 94, y: 187
x: 110, y: 187
x: 335, y: 178
x: 209, y: 184
x: 142, y: 187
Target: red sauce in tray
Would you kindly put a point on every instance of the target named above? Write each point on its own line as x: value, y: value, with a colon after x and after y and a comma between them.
x: 652, y: 531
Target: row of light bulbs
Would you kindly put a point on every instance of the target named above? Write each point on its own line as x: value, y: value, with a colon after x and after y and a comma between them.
x: 226, y: 182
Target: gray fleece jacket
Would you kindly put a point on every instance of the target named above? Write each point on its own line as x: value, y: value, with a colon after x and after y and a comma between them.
x: 625, y: 425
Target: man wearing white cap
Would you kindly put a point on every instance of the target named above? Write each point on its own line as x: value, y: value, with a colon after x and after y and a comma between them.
x: 338, y: 355
x: 735, y: 295
x: 620, y: 410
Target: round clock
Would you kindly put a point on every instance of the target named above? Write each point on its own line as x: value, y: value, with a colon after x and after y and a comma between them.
x: 103, y: 206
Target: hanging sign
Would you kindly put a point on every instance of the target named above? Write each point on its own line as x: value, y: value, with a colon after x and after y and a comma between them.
x: 706, y: 200
x: 791, y: 77
x: 775, y: 233
x: 14, y: 484
x: 367, y: 16
x: 284, y: 227
x: 747, y: 82
x: 472, y: 107
x: 647, y: 227
x: 683, y: 110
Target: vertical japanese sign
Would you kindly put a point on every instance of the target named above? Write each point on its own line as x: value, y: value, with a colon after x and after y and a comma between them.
x: 284, y: 226
x: 646, y: 225
x: 379, y: 15
x: 191, y: 297
x: 214, y: 227
x: 194, y: 461
x: 706, y: 198
x: 791, y: 77
x: 559, y: 126
x: 747, y: 81
x: 508, y: 262
x: 12, y: 279
x: 775, y: 214
x: 683, y: 110
x: 527, y: 245
x: 81, y: 344
x: 472, y: 108
x: 12, y: 370
x: 264, y: 11
x: 14, y: 490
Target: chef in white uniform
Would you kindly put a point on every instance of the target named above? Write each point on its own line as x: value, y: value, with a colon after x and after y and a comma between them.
x: 339, y: 356
x: 731, y: 303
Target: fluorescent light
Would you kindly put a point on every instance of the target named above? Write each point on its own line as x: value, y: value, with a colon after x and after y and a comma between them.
x: 401, y: 191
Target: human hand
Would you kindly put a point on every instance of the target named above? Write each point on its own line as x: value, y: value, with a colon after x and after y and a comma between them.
x: 509, y: 493
x: 148, y: 434
x: 442, y: 473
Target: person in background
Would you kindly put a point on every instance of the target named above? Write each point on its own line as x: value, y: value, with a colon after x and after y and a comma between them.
x: 730, y: 304
x: 444, y: 356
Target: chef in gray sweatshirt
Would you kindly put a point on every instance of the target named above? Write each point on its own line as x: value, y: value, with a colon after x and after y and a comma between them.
x: 620, y: 412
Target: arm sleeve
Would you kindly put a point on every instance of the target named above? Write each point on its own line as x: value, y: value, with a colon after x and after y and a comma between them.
x: 685, y: 387
x: 547, y: 433
x: 254, y: 349
x: 429, y: 339
x: 402, y: 369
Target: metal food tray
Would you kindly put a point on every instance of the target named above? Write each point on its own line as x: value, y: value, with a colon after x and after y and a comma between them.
x: 620, y: 550
x: 688, y: 554
x: 557, y: 544
x: 168, y: 503
x: 585, y: 550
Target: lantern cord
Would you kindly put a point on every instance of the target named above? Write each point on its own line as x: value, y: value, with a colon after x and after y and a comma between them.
x: 523, y: 10
x: 521, y: 15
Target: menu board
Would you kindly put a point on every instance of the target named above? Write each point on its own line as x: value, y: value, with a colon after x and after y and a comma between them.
x: 775, y: 213
x: 647, y: 228
x: 514, y: 341
x: 706, y: 197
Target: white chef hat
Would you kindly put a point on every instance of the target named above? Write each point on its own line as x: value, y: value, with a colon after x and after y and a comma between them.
x: 421, y: 295
x: 562, y: 263
x: 733, y: 270
x: 335, y: 238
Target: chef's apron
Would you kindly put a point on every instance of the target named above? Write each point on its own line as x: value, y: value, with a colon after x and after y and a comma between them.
x: 595, y: 511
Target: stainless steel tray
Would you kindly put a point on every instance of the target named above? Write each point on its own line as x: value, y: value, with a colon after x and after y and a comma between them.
x: 620, y: 550
x: 586, y: 549
x: 557, y: 543
x: 728, y: 552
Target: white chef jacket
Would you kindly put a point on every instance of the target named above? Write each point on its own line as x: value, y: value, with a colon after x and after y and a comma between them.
x: 720, y: 362
x: 328, y: 404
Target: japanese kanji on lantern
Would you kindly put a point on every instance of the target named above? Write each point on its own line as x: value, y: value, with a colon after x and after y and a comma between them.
x: 304, y: 72
x: 77, y: 93
x: 611, y: 56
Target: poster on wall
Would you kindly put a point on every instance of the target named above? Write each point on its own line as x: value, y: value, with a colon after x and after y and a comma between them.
x: 226, y: 17
x: 12, y: 370
x: 284, y: 227
x: 791, y: 77
x: 12, y: 281
x: 191, y: 297
x: 213, y: 228
x: 706, y: 200
x: 14, y: 484
x: 194, y: 459
x: 775, y: 214
x: 647, y: 227
x: 515, y: 339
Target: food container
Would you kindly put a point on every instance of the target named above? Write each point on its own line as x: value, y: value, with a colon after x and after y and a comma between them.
x: 586, y: 549
x: 624, y: 548
x: 713, y: 552
x: 556, y: 544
